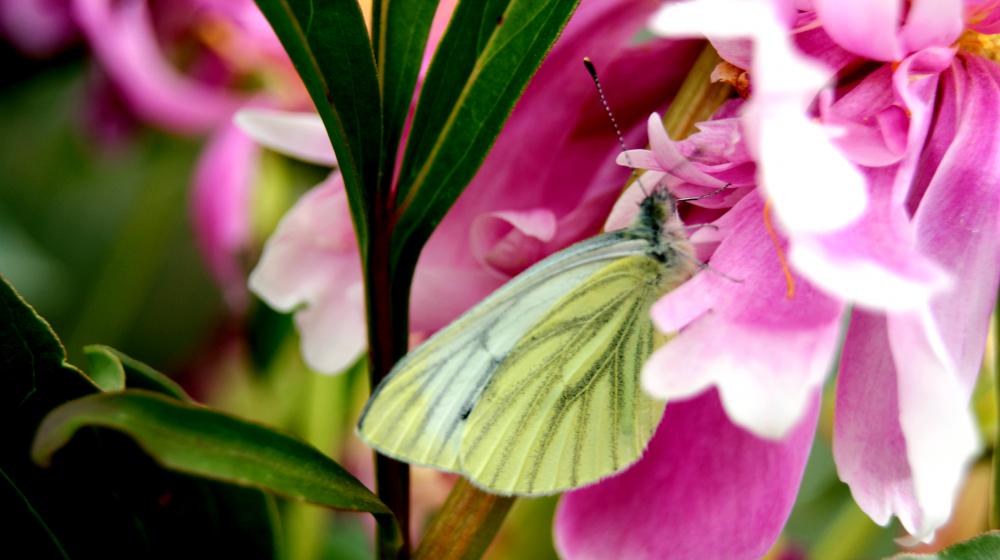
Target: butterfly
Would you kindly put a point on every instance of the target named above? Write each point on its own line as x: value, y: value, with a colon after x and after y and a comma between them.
x: 536, y: 389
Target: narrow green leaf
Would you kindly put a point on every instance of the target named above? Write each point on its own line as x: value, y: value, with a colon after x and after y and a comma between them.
x: 329, y: 45
x: 454, y: 61
x: 401, y: 35
x: 202, y: 442
x: 983, y: 547
x: 485, y: 60
x: 105, y: 368
x: 136, y: 374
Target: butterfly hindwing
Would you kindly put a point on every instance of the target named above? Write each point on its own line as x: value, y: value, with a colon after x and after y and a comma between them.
x: 419, y: 413
x: 565, y: 407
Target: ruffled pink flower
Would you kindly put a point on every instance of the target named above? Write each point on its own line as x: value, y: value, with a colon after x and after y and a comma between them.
x: 524, y: 203
x: 919, y: 263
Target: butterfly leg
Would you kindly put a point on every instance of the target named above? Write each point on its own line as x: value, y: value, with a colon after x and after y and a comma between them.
x: 709, y: 268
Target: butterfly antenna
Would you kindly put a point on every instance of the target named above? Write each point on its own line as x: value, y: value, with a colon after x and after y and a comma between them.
x: 614, y: 122
x: 713, y: 193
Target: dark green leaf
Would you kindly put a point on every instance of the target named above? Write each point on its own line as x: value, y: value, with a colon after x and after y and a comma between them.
x: 485, y: 60
x: 401, y: 29
x: 107, y: 487
x: 136, y: 375
x: 202, y: 442
x: 329, y: 45
x: 983, y: 547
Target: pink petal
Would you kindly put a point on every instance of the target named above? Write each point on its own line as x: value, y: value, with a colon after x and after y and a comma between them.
x: 868, y: 28
x: 39, y: 28
x: 958, y: 220
x: 766, y: 352
x: 509, y: 242
x: 705, y: 489
x: 220, y: 201
x: 874, y: 262
x: 932, y: 23
x: 671, y: 160
x: 298, y: 135
x: 123, y: 39
x: 983, y: 15
x: 638, y: 159
x: 333, y: 330
x: 938, y: 352
x: 812, y: 39
x: 868, y: 443
x: 920, y: 399
x: 940, y: 432
x: 814, y: 188
x: 311, y: 261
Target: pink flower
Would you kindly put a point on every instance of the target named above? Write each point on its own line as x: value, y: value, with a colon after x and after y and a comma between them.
x: 225, y: 42
x: 133, y: 42
x: 919, y: 264
x: 547, y: 183
x: 38, y: 28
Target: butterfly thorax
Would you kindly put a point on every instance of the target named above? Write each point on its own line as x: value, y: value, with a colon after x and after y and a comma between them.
x: 658, y: 224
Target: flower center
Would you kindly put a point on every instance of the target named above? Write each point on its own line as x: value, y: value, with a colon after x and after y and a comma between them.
x: 986, y: 46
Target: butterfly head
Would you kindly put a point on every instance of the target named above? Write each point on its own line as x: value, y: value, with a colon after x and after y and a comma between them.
x: 657, y: 209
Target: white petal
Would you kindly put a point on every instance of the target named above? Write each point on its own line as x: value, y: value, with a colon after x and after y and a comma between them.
x: 298, y: 135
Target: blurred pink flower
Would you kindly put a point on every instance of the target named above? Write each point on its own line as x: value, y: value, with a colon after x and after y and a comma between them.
x: 38, y: 28
x: 919, y: 262
x: 184, y: 66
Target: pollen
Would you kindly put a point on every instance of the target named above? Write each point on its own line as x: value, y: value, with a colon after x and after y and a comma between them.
x: 986, y: 46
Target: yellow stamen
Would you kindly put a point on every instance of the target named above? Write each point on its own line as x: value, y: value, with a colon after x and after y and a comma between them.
x: 986, y: 46
x: 789, y: 281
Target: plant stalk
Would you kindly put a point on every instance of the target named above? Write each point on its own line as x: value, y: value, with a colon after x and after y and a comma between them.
x: 465, y: 525
x: 993, y: 353
x: 387, y: 340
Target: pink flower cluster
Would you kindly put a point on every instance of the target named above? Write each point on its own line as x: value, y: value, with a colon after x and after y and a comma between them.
x: 883, y: 180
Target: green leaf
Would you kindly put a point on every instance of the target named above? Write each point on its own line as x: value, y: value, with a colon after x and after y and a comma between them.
x: 401, y: 28
x: 33, y: 367
x: 329, y: 45
x: 485, y: 60
x: 202, y: 442
x: 135, y: 374
x: 105, y: 368
x: 106, y: 486
x: 983, y: 547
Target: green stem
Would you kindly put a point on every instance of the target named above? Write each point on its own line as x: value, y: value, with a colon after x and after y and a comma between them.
x: 994, y: 349
x: 698, y: 97
x: 466, y: 524
x: 387, y: 342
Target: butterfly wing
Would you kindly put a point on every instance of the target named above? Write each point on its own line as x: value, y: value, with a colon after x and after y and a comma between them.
x: 565, y: 407
x: 419, y: 412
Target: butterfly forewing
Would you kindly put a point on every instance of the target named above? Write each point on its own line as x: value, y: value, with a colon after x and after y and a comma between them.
x: 419, y: 413
x: 564, y: 408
